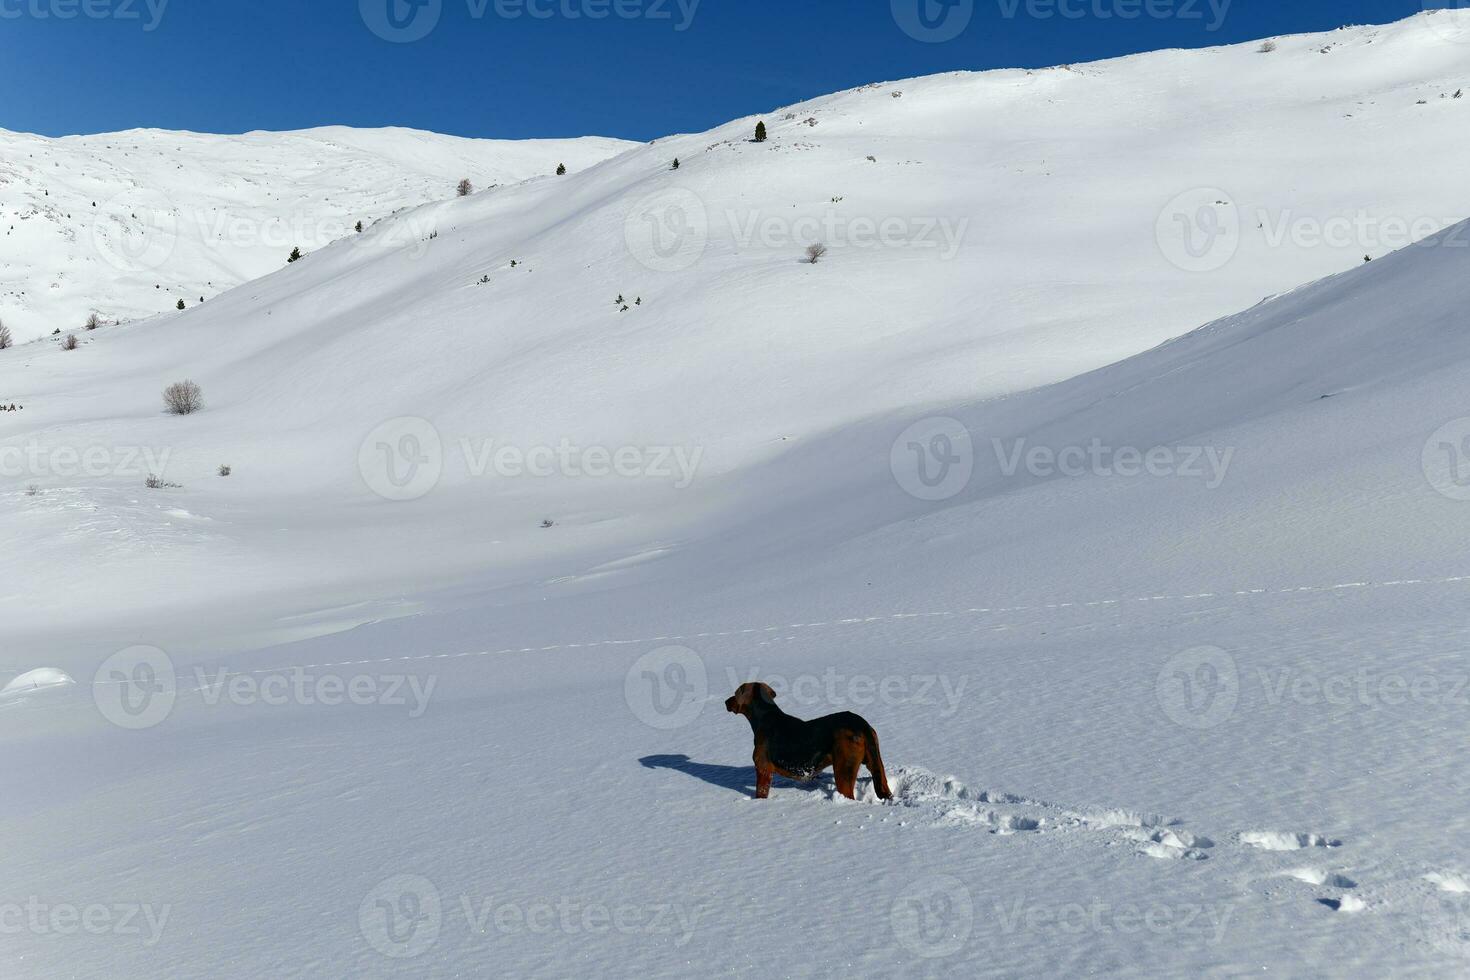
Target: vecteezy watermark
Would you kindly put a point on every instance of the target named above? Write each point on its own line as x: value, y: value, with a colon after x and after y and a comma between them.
x: 402, y: 459
x: 404, y: 916
x: 1198, y: 688
x: 838, y: 230
x: 668, y: 230
x: 937, y: 21
x: 839, y: 691
x: 301, y: 686
x: 148, y: 12
x: 1202, y: 687
x: 136, y: 688
x: 933, y: 918
x: 933, y: 459
x: 39, y: 918
x: 1206, y: 463
x: 1446, y: 459
x: 667, y: 688
x: 1099, y: 917
x: 92, y: 462
x: 406, y: 21
x: 1211, y: 12
x: 1363, y: 688
x: 1199, y: 230
x: 1357, y: 230
x: 932, y: 21
x: 405, y: 458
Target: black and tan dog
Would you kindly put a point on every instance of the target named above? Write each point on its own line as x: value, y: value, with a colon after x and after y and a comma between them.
x: 801, y: 749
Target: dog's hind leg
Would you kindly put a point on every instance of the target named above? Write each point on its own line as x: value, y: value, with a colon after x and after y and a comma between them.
x: 847, y: 756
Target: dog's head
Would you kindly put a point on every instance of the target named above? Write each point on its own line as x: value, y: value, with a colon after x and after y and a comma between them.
x: 746, y: 695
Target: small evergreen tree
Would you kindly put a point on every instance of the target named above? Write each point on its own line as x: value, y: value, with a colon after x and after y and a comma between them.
x: 561, y: 169
x: 676, y: 164
x: 295, y: 254
x: 181, y: 304
x: 359, y: 227
x: 760, y: 132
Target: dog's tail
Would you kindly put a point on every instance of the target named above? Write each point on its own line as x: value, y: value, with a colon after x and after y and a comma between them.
x: 874, y: 761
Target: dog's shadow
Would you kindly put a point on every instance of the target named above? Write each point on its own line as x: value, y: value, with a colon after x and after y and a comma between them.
x: 739, y: 779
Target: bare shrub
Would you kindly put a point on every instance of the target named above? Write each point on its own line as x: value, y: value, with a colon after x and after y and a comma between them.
x: 33, y: 491
x: 1266, y: 47
x: 156, y: 482
x: 6, y: 340
x: 465, y: 188
x: 814, y: 253
x: 224, y: 470
x: 183, y: 398
x: 71, y: 342
x: 93, y: 322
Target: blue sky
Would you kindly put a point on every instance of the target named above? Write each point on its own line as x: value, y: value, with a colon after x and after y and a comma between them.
x: 638, y: 69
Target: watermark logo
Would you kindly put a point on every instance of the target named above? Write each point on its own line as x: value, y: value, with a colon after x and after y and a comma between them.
x: 136, y: 688
x: 667, y: 688
x: 401, y: 917
x: 1446, y: 459
x: 933, y: 459
x: 933, y: 21
x: 1208, y: 464
x: 1199, y: 230
x: 136, y: 231
x: 835, y: 690
x: 402, y: 459
x: 297, y: 685
x: 667, y: 231
x: 1199, y: 688
x: 401, y: 21
x: 933, y: 918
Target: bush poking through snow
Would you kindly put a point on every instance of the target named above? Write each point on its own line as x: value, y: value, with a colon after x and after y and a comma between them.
x: 181, y: 304
x: 548, y: 523
x: 183, y: 398
x: 93, y: 322
x: 1266, y: 47
x: 155, y: 482
x: 33, y: 491
x: 760, y: 132
x: 70, y: 343
x: 5, y: 339
x: 814, y: 253
x: 465, y: 188
x: 224, y: 470
x: 561, y: 170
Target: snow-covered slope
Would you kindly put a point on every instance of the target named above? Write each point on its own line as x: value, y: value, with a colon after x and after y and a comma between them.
x: 1183, y: 617
x: 126, y: 224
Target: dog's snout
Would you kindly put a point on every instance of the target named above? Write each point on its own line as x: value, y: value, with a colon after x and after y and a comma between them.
x: 730, y: 705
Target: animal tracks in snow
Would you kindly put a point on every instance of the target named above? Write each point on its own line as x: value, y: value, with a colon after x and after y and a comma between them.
x: 949, y: 803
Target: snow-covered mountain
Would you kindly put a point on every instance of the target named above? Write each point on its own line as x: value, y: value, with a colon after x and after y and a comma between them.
x: 126, y: 224
x: 1161, y: 623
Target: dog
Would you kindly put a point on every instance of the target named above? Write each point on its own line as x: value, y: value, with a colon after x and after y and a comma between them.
x: 801, y: 749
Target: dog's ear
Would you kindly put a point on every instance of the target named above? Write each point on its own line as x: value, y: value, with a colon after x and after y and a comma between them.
x: 766, y: 692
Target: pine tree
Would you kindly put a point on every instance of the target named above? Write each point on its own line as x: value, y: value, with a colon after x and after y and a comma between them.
x: 561, y: 169
x: 359, y: 227
x: 760, y: 132
x: 181, y: 304
x: 295, y: 254
x: 676, y: 164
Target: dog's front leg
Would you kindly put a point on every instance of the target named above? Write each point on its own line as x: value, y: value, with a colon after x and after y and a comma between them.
x: 762, y: 783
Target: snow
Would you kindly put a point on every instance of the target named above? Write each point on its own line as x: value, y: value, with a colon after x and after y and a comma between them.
x: 1170, y: 679
x: 124, y: 225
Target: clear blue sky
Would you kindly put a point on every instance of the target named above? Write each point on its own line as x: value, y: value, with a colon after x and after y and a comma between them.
x: 491, y: 68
